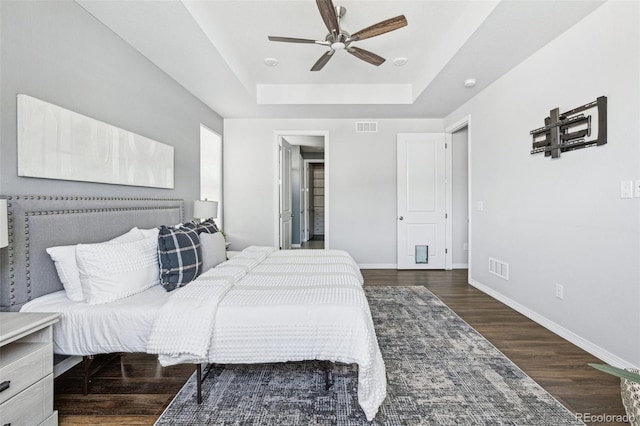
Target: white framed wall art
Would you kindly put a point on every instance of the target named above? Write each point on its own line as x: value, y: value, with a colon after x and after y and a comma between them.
x: 56, y: 143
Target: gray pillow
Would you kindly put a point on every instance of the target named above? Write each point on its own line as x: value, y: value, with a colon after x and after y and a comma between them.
x: 213, y: 250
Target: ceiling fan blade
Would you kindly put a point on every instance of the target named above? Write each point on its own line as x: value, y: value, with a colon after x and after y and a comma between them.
x: 320, y: 63
x: 328, y: 13
x: 380, y: 28
x: 292, y: 40
x: 366, y: 56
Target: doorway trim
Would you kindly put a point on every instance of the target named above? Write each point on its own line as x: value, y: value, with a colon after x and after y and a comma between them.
x: 460, y: 124
x: 277, y: 135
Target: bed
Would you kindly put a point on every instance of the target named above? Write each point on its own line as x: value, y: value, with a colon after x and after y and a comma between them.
x: 263, y: 305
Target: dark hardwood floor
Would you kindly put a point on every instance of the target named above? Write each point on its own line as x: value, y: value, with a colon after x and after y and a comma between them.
x: 135, y: 390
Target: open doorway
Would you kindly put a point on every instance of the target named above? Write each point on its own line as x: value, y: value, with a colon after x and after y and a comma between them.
x: 211, y: 170
x: 302, y: 190
x: 460, y: 212
x: 459, y: 195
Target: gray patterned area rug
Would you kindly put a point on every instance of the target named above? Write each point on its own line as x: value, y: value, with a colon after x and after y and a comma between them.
x: 440, y: 371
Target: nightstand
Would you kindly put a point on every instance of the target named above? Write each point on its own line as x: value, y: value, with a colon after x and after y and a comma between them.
x: 26, y: 368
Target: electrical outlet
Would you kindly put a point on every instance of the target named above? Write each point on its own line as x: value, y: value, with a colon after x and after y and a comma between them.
x: 560, y: 291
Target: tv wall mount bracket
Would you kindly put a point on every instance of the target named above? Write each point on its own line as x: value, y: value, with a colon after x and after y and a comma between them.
x: 570, y: 130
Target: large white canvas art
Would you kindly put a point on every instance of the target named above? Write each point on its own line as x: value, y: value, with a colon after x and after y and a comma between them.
x: 56, y: 143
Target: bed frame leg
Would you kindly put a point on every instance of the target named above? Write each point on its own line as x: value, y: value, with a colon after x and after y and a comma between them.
x: 327, y: 366
x: 199, y: 379
x: 87, y: 360
x: 88, y: 372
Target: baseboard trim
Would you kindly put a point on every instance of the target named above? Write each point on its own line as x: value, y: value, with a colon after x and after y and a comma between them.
x: 566, y: 334
x: 460, y: 266
x: 296, y: 245
x: 377, y: 266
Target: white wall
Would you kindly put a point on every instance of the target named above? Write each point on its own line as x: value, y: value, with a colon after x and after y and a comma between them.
x: 362, y: 178
x: 562, y: 220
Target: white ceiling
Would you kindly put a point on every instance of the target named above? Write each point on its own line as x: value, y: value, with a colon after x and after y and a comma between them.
x: 216, y: 49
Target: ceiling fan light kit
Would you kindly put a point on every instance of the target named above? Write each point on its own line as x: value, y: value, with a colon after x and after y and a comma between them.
x: 338, y: 39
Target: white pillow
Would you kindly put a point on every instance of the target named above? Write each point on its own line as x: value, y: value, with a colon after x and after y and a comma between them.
x: 64, y: 259
x: 213, y: 250
x: 152, y: 232
x: 134, y: 234
x: 111, y: 271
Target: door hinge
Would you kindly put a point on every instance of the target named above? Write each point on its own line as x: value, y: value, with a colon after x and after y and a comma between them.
x: 446, y: 251
x: 446, y: 216
x: 445, y: 146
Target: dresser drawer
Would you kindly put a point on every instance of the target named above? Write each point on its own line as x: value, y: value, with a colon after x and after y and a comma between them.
x: 23, y: 364
x: 31, y: 406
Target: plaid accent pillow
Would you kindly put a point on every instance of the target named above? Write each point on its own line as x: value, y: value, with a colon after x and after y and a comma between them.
x: 180, y: 256
x: 209, y: 226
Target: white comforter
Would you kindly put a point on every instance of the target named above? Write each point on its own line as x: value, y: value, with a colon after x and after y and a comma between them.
x: 276, y: 306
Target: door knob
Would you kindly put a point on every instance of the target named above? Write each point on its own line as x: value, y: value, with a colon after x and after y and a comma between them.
x: 401, y: 218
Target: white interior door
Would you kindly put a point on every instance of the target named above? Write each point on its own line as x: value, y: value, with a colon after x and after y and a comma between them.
x: 286, y: 212
x: 421, y: 201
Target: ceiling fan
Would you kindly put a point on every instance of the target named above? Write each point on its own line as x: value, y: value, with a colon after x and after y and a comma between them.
x: 338, y: 39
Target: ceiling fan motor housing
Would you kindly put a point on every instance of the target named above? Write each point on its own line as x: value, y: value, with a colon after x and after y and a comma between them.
x: 341, y: 38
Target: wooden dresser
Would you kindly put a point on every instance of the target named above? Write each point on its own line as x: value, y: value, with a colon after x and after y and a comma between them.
x: 26, y: 369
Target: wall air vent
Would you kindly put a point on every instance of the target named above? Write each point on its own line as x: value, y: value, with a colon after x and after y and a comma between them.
x: 366, y: 127
x: 499, y: 268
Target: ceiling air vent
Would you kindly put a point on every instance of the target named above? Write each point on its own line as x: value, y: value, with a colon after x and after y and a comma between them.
x: 366, y: 127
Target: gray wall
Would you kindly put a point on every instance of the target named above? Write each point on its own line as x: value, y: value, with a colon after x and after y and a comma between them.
x: 56, y: 51
x: 562, y: 220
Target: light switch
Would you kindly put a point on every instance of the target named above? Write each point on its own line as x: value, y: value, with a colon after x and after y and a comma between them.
x: 480, y: 206
x: 626, y: 189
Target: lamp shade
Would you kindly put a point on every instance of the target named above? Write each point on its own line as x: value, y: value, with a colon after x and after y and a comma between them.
x: 205, y: 209
x: 4, y: 232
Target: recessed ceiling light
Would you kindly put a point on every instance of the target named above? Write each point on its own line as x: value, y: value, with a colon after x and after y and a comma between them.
x: 271, y: 62
x: 400, y: 61
x: 470, y: 82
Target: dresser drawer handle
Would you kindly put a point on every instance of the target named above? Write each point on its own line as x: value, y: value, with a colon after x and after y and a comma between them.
x: 5, y: 385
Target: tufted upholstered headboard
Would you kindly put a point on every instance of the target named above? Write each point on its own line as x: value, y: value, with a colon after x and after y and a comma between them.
x: 39, y: 222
